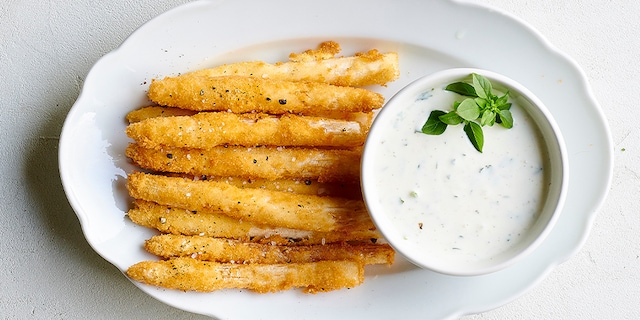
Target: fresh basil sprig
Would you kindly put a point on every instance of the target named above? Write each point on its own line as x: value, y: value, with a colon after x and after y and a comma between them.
x: 481, y: 108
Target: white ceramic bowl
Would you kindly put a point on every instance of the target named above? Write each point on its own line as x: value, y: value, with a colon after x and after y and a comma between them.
x: 504, y: 201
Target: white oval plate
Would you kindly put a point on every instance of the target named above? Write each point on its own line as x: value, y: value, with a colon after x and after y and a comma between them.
x: 429, y: 36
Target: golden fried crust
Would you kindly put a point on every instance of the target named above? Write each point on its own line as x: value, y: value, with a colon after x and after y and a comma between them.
x: 364, y: 118
x: 297, y: 185
x: 234, y: 251
x: 335, y: 165
x: 208, y: 129
x: 250, y: 94
x: 325, y: 50
x: 362, y: 69
x: 213, y: 224
x: 293, y: 185
x: 156, y: 111
x: 296, y: 211
x: 182, y: 221
x: 194, y: 275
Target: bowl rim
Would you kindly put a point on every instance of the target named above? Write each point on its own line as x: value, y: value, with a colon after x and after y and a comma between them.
x: 554, y: 142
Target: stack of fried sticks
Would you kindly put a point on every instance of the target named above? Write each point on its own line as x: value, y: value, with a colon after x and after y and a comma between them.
x: 251, y: 174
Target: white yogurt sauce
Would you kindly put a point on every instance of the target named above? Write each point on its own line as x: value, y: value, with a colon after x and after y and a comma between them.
x: 449, y: 200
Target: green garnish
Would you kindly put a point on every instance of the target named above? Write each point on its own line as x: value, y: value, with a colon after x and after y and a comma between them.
x: 481, y: 108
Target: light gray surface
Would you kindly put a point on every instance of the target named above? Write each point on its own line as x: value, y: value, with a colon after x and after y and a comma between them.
x: 50, y: 272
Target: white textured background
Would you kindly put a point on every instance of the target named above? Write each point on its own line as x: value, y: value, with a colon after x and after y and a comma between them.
x: 48, y: 271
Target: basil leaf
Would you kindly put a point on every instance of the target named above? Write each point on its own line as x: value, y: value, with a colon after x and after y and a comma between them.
x: 488, y: 118
x: 433, y: 125
x: 468, y: 109
x: 502, y: 100
x: 481, y: 108
x: 451, y: 118
x: 475, y: 135
x: 505, y: 106
x: 482, y: 86
x: 482, y: 103
x: 462, y: 88
x: 506, y: 119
